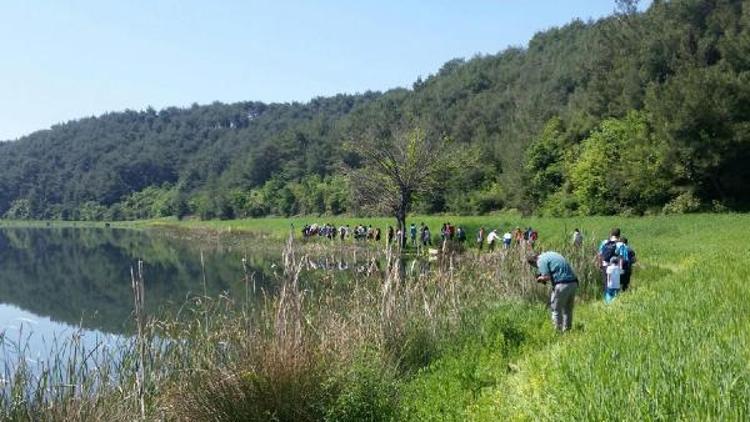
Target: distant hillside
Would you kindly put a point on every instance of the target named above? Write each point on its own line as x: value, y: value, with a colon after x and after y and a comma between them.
x: 634, y: 113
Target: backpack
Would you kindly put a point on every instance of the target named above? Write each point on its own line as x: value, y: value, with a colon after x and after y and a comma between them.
x: 609, y: 250
x: 630, y: 261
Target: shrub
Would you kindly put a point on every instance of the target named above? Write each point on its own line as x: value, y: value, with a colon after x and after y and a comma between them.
x: 684, y: 203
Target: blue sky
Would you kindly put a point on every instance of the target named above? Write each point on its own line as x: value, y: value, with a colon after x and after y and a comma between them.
x: 65, y: 59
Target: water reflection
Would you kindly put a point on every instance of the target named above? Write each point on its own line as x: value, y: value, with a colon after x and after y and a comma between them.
x: 81, y: 277
x: 55, y: 282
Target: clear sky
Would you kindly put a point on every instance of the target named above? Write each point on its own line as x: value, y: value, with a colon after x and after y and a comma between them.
x: 65, y: 59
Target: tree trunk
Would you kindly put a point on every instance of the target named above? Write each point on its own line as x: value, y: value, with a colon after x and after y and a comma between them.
x: 401, y: 217
x: 401, y: 224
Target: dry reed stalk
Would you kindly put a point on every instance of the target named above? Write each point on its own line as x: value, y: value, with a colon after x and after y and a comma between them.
x: 289, y: 320
x: 138, y: 299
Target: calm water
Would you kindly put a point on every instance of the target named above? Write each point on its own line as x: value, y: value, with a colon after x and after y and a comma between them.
x: 54, y: 282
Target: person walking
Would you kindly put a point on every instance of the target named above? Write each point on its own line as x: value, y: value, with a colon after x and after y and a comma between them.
x: 577, y: 238
x: 627, y: 268
x: 492, y: 238
x: 554, y: 268
x: 480, y: 238
x: 426, y: 237
x: 507, y: 239
x: 413, y: 234
x: 461, y: 235
x: 614, y: 273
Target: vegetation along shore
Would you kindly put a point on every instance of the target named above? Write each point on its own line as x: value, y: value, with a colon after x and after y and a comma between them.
x: 468, y: 339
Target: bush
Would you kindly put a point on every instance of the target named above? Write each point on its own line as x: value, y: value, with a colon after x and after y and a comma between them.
x: 684, y: 203
x: 560, y: 204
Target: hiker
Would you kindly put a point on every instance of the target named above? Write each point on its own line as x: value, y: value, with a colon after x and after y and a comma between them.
x: 507, y: 239
x: 518, y: 236
x: 627, y: 269
x: 613, y: 279
x: 533, y: 236
x: 390, y: 234
x: 426, y: 237
x: 554, y: 268
x: 491, y: 239
x: 577, y: 238
x: 413, y: 234
x: 461, y: 235
x: 480, y: 238
x: 376, y: 234
x: 608, y: 248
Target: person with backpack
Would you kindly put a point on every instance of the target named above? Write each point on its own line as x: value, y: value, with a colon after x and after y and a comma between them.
x: 627, y: 269
x: 413, y: 234
x: 554, y: 268
x: 461, y: 235
x: 609, y: 248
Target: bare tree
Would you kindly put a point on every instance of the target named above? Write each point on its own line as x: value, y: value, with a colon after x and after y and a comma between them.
x: 397, y: 166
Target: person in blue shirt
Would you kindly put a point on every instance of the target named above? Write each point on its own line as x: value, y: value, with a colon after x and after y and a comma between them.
x: 554, y: 268
x: 627, y: 269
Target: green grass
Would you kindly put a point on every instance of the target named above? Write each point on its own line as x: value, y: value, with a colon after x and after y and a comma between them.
x: 676, y: 347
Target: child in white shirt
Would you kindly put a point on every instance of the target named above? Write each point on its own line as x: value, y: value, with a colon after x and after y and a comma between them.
x: 507, y: 238
x: 613, y: 279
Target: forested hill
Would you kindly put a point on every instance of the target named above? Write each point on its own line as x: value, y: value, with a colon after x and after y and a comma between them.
x: 637, y: 112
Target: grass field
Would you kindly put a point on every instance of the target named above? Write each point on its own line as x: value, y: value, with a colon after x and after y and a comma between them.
x: 474, y: 343
x: 676, y: 347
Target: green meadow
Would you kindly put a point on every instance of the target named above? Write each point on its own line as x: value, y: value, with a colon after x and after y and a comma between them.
x: 469, y: 340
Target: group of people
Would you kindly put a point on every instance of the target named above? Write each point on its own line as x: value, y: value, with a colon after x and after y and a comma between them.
x: 520, y: 237
x: 615, y: 259
x: 359, y: 232
x: 421, y: 235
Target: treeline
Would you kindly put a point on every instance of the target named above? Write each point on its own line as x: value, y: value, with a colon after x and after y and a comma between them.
x: 634, y: 113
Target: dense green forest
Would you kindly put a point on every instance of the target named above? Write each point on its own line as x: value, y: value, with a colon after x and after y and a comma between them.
x: 639, y: 112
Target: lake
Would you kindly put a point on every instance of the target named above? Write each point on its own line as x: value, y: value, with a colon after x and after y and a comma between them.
x: 55, y: 282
